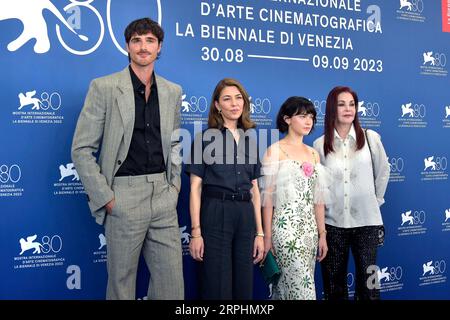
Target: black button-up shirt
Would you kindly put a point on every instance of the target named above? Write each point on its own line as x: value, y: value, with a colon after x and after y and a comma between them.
x: 224, y: 165
x: 145, y: 155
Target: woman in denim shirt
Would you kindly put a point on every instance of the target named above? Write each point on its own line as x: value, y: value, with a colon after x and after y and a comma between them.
x: 225, y: 207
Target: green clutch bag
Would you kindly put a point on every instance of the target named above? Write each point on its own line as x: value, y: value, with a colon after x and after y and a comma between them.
x: 270, y: 270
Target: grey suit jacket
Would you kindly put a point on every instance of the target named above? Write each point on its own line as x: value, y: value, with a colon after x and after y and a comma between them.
x: 107, y: 120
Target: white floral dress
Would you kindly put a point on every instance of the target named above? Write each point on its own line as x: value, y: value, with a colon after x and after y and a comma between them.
x: 296, y: 187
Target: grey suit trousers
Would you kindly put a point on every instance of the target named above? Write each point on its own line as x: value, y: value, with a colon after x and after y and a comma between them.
x: 144, y: 219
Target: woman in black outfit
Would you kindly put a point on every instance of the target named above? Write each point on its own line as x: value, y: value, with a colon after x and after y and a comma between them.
x: 227, y: 234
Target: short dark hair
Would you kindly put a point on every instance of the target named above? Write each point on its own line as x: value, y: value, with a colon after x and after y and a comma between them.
x: 143, y: 26
x: 292, y: 107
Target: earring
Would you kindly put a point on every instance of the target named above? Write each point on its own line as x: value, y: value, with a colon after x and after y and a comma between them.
x: 220, y: 110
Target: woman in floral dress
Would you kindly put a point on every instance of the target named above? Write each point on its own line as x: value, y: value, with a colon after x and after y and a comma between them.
x: 294, y: 191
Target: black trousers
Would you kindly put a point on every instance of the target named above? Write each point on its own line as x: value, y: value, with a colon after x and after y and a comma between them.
x: 228, y: 230
x: 363, y: 242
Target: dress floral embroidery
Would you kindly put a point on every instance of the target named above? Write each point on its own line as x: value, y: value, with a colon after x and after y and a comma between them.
x: 294, y: 231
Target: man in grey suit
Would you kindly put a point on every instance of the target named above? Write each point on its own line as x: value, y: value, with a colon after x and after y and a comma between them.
x: 133, y: 187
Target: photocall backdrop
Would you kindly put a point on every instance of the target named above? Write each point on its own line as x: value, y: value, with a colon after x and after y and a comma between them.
x: 392, y: 53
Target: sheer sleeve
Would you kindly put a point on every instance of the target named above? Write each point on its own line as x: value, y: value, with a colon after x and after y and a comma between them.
x: 268, y: 183
x: 322, y: 188
x: 381, y: 165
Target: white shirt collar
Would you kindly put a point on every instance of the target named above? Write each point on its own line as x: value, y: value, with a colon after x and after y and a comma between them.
x: 351, y: 133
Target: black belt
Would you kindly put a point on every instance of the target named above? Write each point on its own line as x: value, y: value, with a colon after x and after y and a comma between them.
x: 228, y: 196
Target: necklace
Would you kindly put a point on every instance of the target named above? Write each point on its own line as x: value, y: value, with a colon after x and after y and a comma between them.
x: 235, y: 134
